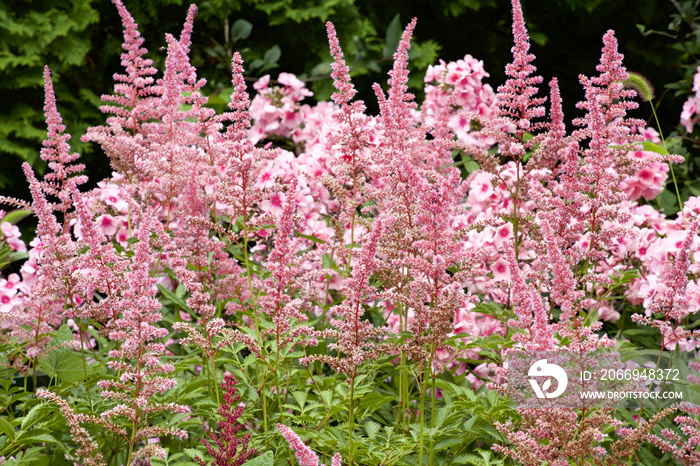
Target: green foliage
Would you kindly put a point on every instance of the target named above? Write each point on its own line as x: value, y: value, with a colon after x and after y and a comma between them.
x: 34, y: 34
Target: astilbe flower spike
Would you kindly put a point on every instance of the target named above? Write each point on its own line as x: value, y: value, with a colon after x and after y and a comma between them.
x: 240, y: 102
x: 341, y: 73
x: 304, y: 454
x: 44, y: 311
x: 227, y: 448
x: 134, y: 90
x: 395, y: 110
x: 531, y: 314
x: 516, y: 98
x: 355, y: 337
x: 88, y: 449
x: 138, y: 356
x: 56, y: 152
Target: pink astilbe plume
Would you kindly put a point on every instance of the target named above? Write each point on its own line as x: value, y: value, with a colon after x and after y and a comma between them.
x: 354, y: 166
x: 356, y: 338
x: 88, y: 449
x: 395, y: 110
x: 304, y: 454
x: 596, y: 192
x: 134, y: 90
x: 341, y: 73
x: 548, y: 154
x: 57, y: 153
x: 531, y: 314
x: 516, y: 99
x: 52, y: 285
x: 226, y: 447
x: 100, y: 268
x: 285, y: 279
x: 672, y: 305
x: 132, y: 105
x: 240, y: 102
x: 558, y: 437
x: 138, y: 357
x: 400, y: 101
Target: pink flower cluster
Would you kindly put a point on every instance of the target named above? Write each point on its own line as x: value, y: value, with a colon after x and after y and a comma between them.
x: 304, y: 454
x: 458, y: 85
x: 691, y: 108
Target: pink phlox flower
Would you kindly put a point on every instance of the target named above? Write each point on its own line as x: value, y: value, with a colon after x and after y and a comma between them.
x: 273, y: 203
x: 12, y: 236
x: 691, y: 108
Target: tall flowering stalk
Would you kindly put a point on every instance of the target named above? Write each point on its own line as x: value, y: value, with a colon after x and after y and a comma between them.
x: 227, y: 448
x: 53, y: 288
x: 137, y: 358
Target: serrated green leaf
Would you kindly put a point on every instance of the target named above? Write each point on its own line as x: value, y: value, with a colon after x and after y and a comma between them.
x: 371, y: 429
x: 34, y: 415
x: 300, y: 398
x: 30, y: 437
x: 64, y: 364
x: 7, y: 429
x: 267, y: 459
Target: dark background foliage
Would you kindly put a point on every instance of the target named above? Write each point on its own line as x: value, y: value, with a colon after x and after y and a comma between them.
x: 81, y: 41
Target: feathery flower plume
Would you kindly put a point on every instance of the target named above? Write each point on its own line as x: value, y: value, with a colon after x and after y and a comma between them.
x: 240, y: 102
x: 131, y: 106
x: 88, y: 449
x: 516, y: 99
x: 56, y: 152
x: 133, y: 89
x: 532, y: 316
x: 138, y: 357
x: 355, y: 337
x: 395, y: 110
x: 226, y: 447
x: 54, y: 283
x: 341, y: 72
x: 304, y: 454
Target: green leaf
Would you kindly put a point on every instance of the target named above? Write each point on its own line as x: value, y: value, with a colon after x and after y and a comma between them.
x: 7, y: 429
x: 30, y: 437
x: 178, y: 301
x: 372, y: 428
x: 65, y: 364
x: 272, y: 56
x: 63, y: 335
x: 35, y: 414
x: 393, y: 37
x: 15, y: 216
x: 651, y: 147
x: 240, y: 30
x: 311, y: 238
x: 300, y: 398
x: 264, y: 460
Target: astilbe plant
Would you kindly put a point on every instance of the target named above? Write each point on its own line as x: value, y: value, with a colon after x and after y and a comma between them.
x: 357, y: 286
x: 227, y: 448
